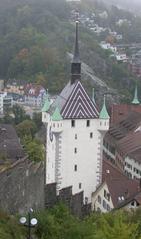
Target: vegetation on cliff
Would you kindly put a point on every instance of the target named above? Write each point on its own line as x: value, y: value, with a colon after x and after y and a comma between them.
x: 35, y: 36
x: 58, y: 223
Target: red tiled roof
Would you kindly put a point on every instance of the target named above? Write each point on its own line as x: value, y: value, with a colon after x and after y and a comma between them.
x: 136, y: 155
x: 131, y: 144
x: 119, y: 112
x: 33, y: 89
x: 123, y: 128
x: 9, y: 143
x: 118, y: 184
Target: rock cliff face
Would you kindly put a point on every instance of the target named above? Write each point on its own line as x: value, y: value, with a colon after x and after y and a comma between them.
x: 22, y: 186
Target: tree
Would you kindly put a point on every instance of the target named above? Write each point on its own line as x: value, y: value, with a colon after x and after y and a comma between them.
x: 26, y: 128
x: 34, y: 149
x: 37, y: 118
x: 19, y: 114
x: 116, y: 226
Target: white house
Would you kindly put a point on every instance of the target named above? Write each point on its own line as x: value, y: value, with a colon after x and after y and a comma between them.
x: 115, y: 191
x: 108, y: 46
x: 5, y: 101
x: 34, y: 95
x: 121, y: 57
x: 75, y: 132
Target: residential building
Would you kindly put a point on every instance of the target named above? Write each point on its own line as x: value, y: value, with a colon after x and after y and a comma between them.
x: 115, y: 190
x: 6, y: 102
x: 34, y: 95
x: 120, y: 111
x: 121, y: 57
x: 10, y: 147
x: 118, y: 141
x: 108, y: 46
x: 135, y: 64
x: 75, y: 131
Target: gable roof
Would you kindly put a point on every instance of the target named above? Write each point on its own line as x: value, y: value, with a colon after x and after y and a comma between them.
x: 124, y: 127
x: 79, y: 105
x: 75, y: 103
x: 131, y: 144
x: 118, y: 183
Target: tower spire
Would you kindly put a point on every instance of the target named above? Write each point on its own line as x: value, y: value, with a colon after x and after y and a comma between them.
x: 103, y: 113
x: 76, y: 63
x: 135, y: 101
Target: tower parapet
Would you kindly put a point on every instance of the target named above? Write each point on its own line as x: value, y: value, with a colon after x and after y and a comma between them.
x: 57, y: 121
x: 104, y: 118
x: 45, y: 114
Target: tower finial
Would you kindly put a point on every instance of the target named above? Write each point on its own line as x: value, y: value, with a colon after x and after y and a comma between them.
x: 135, y: 101
x: 76, y: 63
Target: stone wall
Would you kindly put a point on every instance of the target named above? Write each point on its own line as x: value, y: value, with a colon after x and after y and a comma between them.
x: 22, y: 186
x: 73, y: 202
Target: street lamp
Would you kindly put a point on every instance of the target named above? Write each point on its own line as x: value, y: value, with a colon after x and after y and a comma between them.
x: 30, y: 222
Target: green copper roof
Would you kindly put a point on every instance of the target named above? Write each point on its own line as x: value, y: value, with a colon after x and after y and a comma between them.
x: 56, y: 115
x: 103, y: 113
x: 135, y: 100
x: 46, y: 105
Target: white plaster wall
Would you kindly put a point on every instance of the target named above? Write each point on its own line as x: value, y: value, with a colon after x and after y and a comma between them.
x: 96, y: 204
x: 134, y: 164
x: 86, y: 158
x: 50, y: 157
x: 1, y: 104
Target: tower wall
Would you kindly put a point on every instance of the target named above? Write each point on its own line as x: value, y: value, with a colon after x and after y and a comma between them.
x: 74, y: 157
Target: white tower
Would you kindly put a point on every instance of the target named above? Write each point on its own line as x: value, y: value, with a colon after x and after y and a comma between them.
x: 74, y: 135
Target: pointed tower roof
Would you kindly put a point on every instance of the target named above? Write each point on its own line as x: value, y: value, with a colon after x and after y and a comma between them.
x: 56, y: 115
x: 135, y: 100
x: 76, y: 56
x: 104, y: 113
x: 76, y: 63
x: 46, y: 104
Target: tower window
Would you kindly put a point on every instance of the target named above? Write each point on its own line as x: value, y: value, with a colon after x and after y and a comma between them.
x: 75, y: 150
x: 73, y: 123
x: 80, y: 185
x: 88, y: 123
x: 91, y: 135
x: 75, y: 167
x: 75, y: 136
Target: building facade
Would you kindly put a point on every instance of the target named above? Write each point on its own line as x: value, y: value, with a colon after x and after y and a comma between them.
x: 5, y: 102
x: 115, y: 191
x: 75, y: 132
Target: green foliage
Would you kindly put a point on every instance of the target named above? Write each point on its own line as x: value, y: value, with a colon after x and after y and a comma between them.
x: 34, y: 149
x: 115, y: 226
x: 35, y: 36
x: 19, y: 114
x: 37, y: 119
x: 9, y: 228
x: 58, y: 223
x: 26, y: 128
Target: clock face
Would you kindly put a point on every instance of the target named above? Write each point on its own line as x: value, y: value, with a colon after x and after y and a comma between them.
x: 50, y: 134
